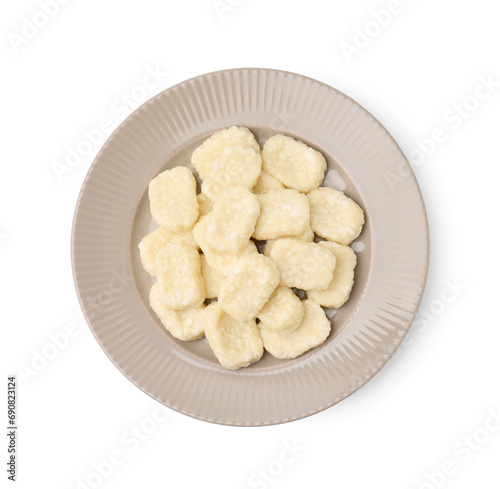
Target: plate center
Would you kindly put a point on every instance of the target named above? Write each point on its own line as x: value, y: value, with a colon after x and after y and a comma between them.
x: 199, y: 350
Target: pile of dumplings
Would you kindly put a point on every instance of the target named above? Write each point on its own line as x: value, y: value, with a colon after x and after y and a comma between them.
x: 204, y: 250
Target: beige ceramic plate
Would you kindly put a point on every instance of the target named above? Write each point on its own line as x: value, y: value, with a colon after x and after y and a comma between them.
x: 112, y: 216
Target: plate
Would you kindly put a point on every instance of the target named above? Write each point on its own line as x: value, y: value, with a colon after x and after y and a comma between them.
x: 112, y: 216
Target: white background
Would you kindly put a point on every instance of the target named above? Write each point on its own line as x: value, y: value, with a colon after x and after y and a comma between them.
x: 76, y: 409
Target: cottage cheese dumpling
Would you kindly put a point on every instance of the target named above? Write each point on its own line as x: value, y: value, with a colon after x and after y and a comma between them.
x: 236, y: 344
x: 155, y: 241
x: 266, y: 183
x: 213, y: 279
x: 232, y: 221
x: 283, y: 312
x: 186, y: 325
x: 172, y: 198
x: 337, y: 293
x: 335, y: 216
x: 307, y: 235
x: 247, y: 288
x: 293, y: 163
x: 236, y: 165
x: 222, y: 263
x: 205, y: 204
x: 282, y: 213
x: 205, y: 155
x: 180, y: 281
x: 302, y: 264
x: 313, y: 331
